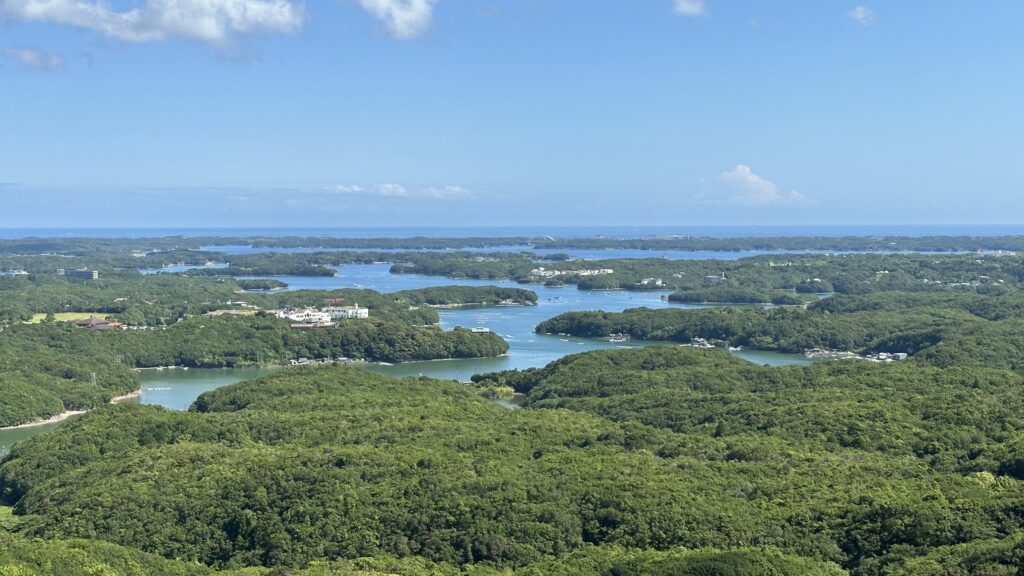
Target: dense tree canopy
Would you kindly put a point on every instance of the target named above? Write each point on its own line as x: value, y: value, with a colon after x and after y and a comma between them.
x: 663, y: 460
x: 879, y: 469
x: 45, y: 374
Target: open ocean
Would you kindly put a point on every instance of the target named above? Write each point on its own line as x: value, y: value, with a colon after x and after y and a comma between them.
x: 529, y: 231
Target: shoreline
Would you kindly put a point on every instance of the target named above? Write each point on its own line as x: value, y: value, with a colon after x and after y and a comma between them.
x: 477, y: 305
x: 126, y: 397
x: 138, y: 393
x: 502, y: 355
x: 71, y: 413
x: 51, y: 420
x: 349, y: 362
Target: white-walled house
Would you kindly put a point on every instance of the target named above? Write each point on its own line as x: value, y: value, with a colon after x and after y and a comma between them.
x: 347, y: 312
x: 306, y: 315
x: 545, y: 273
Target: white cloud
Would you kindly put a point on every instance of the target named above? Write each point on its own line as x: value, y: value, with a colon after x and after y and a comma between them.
x: 691, y: 7
x: 862, y: 14
x: 36, y: 59
x: 748, y: 188
x: 447, y: 192
x: 402, y: 18
x: 353, y: 189
x: 212, y: 21
x: 391, y: 190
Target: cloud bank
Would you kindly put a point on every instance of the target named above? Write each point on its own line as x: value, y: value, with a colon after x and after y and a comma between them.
x: 220, y: 21
x: 447, y: 192
x: 352, y: 189
x: 210, y: 21
x: 392, y: 190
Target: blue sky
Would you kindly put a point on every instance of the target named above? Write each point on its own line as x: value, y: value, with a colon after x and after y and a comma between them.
x: 516, y: 112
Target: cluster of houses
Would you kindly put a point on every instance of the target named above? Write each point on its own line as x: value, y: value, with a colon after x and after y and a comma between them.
x: 545, y: 273
x: 887, y: 357
x: 979, y: 281
x: 821, y: 353
x: 700, y: 343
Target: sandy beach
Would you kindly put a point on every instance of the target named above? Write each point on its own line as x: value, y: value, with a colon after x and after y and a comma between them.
x: 58, y: 418
x: 69, y: 413
x: 126, y: 397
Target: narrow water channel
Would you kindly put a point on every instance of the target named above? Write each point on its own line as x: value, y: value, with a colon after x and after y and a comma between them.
x: 177, y: 389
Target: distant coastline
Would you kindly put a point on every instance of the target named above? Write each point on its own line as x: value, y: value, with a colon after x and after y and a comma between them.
x: 611, y: 231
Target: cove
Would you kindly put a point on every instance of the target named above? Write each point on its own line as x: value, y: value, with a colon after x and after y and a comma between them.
x: 177, y: 388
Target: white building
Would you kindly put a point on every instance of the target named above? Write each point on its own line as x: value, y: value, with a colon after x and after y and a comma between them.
x: 545, y: 273
x: 305, y: 315
x: 347, y: 312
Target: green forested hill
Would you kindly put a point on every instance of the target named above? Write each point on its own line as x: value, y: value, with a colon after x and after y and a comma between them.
x: 34, y: 557
x: 48, y: 368
x: 878, y: 469
x: 47, y: 374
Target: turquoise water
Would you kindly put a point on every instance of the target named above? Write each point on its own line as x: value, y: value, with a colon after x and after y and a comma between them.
x: 177, y: 388
x: 9, y: 437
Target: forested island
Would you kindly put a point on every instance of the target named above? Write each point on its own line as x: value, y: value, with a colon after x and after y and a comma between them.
x: 49, y: 365
x: 764, y: 275
x: 937, y: 329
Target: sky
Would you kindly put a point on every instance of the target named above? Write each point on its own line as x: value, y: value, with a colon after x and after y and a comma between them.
x: 346, y: 113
